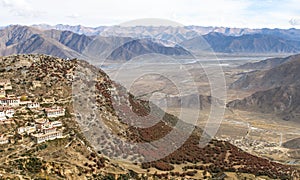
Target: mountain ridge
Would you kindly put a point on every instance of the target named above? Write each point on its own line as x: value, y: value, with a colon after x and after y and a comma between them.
x: 201, y: 30
x: 66, y: 44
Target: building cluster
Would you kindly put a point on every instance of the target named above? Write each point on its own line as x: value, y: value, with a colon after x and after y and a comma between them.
x: 55, y: 112
x: 7, y: 102
x: 42, y: 129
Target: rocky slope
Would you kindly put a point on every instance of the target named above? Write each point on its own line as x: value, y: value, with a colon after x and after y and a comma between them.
x: 87, y: 154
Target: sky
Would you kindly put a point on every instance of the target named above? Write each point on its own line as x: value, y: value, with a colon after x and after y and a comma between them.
x: 227, y: 13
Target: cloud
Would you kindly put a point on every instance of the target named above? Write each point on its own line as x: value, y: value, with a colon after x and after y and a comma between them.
x: 20, y: 8
x: 232, y: 13
x: 73, y: 16
x: 14, y: 3
x: 295, y: 21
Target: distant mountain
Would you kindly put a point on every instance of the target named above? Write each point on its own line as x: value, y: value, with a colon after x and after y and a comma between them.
x: 25, y: 40
x: 138, y: 47
x: 102, y: 47
x: 289, y: 34
x: 292, y: 144
x: 175, y: 34
x: 79, y: 29
x: 283, y: 101
x: 269, y: 63
x: 283, y: 75
x: 123, y: 43
x: 250, y: 43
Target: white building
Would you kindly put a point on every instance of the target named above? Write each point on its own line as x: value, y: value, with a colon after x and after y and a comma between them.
x: 33, y: 105
x: 47, y: 130
x: 36, y: 84
x: 2, y: 115
x: 6, y: 84
x: 2, y: 93
x: 56, y: 124
x: 13, y: 102
x: 42, y: 124
x: 50, y: 135
x: 55, y: 112
x: 9, y: 112
x: 6, y: 112
x: 3, y: 102
x: 24, y: 103
x: 3, y: 140
x: 27, y: 129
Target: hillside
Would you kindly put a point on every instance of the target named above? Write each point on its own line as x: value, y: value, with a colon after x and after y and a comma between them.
x: 89, y: 153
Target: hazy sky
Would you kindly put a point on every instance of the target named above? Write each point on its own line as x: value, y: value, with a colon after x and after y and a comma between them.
x: 229, y: 13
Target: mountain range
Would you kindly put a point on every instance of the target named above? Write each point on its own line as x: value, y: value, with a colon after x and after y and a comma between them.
x: 66, y: 44
x: 185, y: 32
x: 124, y: 43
